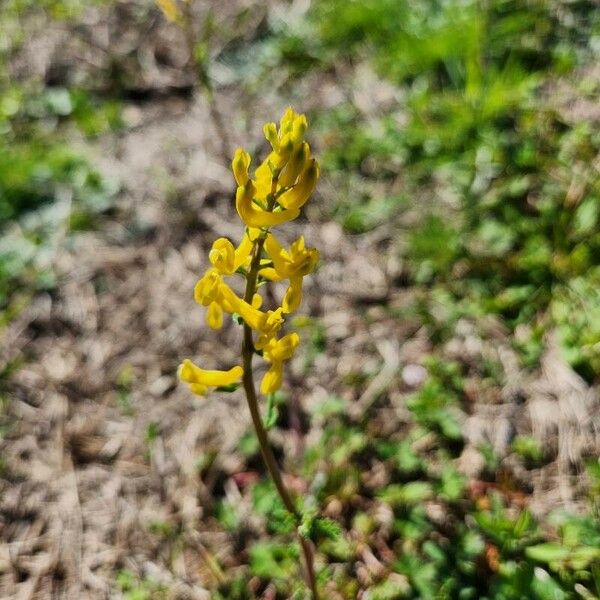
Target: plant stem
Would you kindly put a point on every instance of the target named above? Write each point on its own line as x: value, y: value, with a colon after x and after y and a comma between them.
x: 261, y: 433
x: 200, y: 70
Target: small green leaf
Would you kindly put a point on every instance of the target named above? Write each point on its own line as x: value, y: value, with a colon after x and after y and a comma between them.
x: 228, y: 388
x: 272, y: 412
x: 410, y: 493
x: 327, y: 528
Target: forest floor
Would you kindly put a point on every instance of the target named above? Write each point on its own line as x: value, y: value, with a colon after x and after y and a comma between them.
x: 110, y: 465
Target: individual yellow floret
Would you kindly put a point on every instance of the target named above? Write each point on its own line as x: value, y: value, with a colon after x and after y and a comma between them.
x: 199, y: 380
x: 277, y: 352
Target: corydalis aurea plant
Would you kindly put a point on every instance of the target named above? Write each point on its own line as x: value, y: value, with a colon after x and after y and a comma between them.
x: 275, y: 194
x: 281, y: 186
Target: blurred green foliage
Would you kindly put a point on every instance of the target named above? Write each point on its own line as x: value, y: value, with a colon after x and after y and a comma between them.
x: 478, y: 135
x: 445, y: 538
x: 48, y: 188
x: 133, y: 587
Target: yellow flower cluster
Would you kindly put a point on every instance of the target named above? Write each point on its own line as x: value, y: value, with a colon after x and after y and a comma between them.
x: 281, y: 185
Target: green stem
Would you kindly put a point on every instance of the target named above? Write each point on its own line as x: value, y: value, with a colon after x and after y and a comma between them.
x: 200, y: 67
x: 261, y: 433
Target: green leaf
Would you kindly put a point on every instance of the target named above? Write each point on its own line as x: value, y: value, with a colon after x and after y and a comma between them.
x: 452, y: 484
x: 237, y: 318
x: 582, y: 557
x: 330, y: 406
x: 409, y: 493
x: 228, y: 388
x: 272, y: 412
x: 273, y: 561
x: 327, y: 528
x: 548, y: 552
x: 586, y: 216
x: 545, y: 587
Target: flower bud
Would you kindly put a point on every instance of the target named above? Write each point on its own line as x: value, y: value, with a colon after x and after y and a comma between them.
x: 272, y: 379
x: 299, y: 194
x: 287, y: 121
x: 240, y: 165
x: 270, y: 131
x: 295, y: 165
x: 299, y: 128
x: 222, y: 256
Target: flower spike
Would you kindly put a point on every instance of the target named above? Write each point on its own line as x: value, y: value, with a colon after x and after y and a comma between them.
x: 272, y: 195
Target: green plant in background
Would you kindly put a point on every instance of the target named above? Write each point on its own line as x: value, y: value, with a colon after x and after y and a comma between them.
x: 447, y: 539
x: 475, y: 129
x: 444, y: 537
x: 47, y: 188
x: 135, y: 588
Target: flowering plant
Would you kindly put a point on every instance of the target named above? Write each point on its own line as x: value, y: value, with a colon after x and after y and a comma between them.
x: 279, y: 188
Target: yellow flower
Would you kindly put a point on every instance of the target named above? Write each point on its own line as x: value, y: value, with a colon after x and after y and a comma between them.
x: 263, y: 177
x: 286, y: 123
x: 208, y: 288
x: 257, y: 301
x: 287, y: 175
x: 293, y: 265
x: 265, y: 323
x: 270, y: 168
x: 214, y: 315
x: 270, y: 131
x: 254, y: 216
x: 200, y: 380
x: 282, y: 349
x: 272, y: 379
x: 222, y: 256
x: 227, y: 259
x: 269, y: 329
x: 295, y: 165
x: 277, y: 352
x: 284, y: 141
x: 299, y: 126
x: 273, y: 322
x: 292, y: 128
x: 274, y: 194
x: 240, y: 165
x: 293, y: 296
x: 209, y: 292
x: 297, y: 261
x: 296, y: 198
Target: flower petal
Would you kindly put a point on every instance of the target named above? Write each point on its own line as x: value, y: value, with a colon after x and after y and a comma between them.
x: 257, y: 217
x: 192, y: 374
